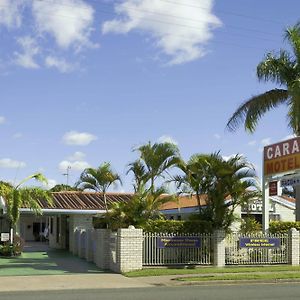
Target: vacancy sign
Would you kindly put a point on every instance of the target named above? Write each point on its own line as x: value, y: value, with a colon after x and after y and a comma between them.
x: 282, y: 157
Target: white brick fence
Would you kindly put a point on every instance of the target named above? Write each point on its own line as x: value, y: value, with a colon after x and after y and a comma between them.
x: 124, y: 250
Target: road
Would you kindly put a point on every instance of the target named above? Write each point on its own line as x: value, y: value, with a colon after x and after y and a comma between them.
x: 287, y: 291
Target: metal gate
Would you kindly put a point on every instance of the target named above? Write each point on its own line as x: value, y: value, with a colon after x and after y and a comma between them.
x: 154, y: 255
x: 236, y: 255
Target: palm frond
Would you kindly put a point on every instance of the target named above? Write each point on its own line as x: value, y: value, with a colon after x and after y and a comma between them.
x: 253, y: 109
x: 278, y: 69
x: 292, y: 34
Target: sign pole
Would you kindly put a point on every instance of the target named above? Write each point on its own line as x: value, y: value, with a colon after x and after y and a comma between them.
x: 265, y: 198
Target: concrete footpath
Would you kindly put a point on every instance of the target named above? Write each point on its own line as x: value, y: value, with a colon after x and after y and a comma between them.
x: 68, y: 282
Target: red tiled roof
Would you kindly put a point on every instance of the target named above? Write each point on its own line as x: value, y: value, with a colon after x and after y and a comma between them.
x: 83, y: 200
x: 184, y: 201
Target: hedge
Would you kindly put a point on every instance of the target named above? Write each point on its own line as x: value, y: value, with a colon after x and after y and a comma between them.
x: 174, y: 226
x: 283, y: 227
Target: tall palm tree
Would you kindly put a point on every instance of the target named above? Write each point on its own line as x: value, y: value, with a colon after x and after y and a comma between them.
x: 282, y: 69
x: 98, y: 180
x: 18, y: 196
x: 155, y: 160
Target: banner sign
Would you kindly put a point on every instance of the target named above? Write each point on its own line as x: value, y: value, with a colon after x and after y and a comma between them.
x: 290, y: 182
x: 4, y: 237
x: 179, y: 242
x: 282, y: 157
x: 259, y: 242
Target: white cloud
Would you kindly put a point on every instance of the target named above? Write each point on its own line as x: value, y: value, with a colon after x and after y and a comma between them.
x: 10, y: 13
x: 68, y: 21
x: 252, y: 143
x: 77, y: 156
x: 217, y: 136
x: 266, y: 141
x: 74, y: 165
x: 59, y: 63
x: 30, y: 49
x: 11, y: 164
x: 51, y: 183
x: 290, y: 136
x: 2, y: 120
x: 78, y: 138
x: 181, y: 31
x: 167, y: 139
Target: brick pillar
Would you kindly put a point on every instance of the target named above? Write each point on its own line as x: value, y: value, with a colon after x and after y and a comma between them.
x: 102, y: 251
x: 293, y: 247
x: 129, y: 250
x: 219, y: 248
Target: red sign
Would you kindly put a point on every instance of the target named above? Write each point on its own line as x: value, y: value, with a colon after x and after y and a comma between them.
x: 273, y: 188
x: 282, y: 157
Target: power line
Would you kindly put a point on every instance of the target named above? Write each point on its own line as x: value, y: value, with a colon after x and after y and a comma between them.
x: 162, y: 14
x: 171, y: 23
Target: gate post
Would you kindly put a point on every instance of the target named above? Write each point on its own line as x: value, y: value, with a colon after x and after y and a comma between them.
x: 129, y: 249
x: 293, y: 247
x: 219, y: 248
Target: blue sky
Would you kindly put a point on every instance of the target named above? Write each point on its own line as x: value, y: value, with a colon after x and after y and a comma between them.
x: 85, y: 81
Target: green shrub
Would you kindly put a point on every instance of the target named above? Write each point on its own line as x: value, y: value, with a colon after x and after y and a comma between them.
x: 283, y: 227
x: 173, y: 226
x: 15, y: 249
x: 250, y: 225
x: 6, y: 250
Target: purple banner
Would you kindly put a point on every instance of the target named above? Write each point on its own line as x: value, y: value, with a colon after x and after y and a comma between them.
x: 179, y: 242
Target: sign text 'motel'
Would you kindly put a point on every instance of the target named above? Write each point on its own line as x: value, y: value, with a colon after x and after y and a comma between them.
x: 282, y: 157
x: 178, y: 242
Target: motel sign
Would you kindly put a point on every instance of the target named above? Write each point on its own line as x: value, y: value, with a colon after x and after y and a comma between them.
x: 278, y: 159
x: 282, y: 157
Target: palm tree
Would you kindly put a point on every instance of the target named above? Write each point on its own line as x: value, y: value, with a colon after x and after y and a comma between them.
x: 142, y: 207
x: 282, y: 69
x: 219, y: 179
x: 18, y: 196
x: 98, y: 180
x: 154, y: 162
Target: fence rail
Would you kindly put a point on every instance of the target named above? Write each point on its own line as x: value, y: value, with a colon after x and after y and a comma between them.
x: 155, y: 254
x: 236, y: 255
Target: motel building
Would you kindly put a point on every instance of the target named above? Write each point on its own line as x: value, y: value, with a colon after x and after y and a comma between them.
x: 281, y: 208
x: 76, y: 210
x: 69, y: 211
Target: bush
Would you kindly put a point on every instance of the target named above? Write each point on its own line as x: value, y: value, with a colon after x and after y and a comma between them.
x: 283, y: 227
x: 173, y: 226
x: 250, y: 225
x: 15, y: 249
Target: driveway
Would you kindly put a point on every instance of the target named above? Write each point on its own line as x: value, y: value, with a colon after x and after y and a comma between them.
x: 39, y: 259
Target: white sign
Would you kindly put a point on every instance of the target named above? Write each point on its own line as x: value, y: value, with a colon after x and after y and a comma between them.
x: 290, y: 182
x: 4, y: 237
x: 256, y: 206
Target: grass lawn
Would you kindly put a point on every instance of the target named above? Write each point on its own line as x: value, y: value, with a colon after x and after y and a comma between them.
x: 56, y: 262
x: 256, y: 276
x: 211, y: 270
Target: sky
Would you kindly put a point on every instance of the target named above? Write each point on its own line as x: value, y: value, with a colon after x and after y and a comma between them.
x: 84, y: 82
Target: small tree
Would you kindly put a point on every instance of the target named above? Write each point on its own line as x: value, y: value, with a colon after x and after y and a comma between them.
x: 98, y: 180
x: 225, y: 184
x: 24, y: 197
